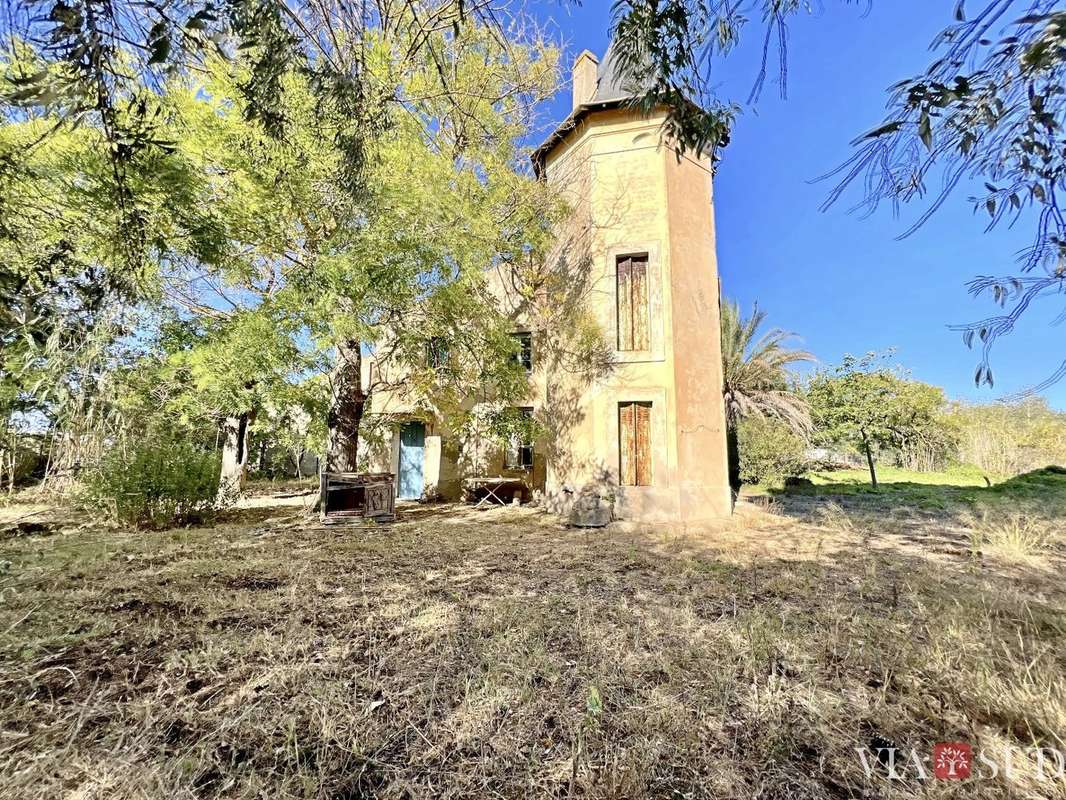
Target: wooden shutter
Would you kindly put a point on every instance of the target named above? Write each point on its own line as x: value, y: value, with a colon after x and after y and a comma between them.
x: 640, y: 303
x: 642, y: 436
x: 625, y: 307
x: 634, y: 444
x: 632, y: 297
x: 627, y: 468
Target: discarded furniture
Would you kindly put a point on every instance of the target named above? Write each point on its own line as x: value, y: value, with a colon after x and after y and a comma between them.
x: 486, y: 491
x: 350, y: 496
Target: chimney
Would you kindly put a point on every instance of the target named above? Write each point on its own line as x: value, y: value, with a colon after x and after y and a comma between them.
x: 585, y: 76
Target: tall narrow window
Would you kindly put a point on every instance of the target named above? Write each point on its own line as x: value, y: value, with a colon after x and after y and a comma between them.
x: 632, y: 302
x: 437, y: 352
x: 519, y: 451
x: 634, y: 444
x: 524, y: 350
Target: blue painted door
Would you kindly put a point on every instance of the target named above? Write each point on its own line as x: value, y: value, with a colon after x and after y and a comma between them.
x: 412, y: 453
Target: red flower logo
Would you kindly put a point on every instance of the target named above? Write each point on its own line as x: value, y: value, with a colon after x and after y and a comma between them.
x: 952, y: 760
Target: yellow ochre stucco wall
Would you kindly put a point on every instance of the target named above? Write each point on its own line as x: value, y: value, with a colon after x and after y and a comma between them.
x: 630, y: 194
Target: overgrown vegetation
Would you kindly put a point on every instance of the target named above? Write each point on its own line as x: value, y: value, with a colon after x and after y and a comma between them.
x: 159, y: 482
x: 209, y: 220
x: 1010, y: 438
x: 870, y: 409
x: 770, y: 451
x: 1013, y: 536
x: 758, y: 383
x: 263, y: 264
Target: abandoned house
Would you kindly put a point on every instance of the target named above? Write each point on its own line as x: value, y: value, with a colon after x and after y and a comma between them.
x: 647, y: 434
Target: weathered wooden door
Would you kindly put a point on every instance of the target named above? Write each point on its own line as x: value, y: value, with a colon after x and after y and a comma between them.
x: 634, y: 444
x: 412, y: 456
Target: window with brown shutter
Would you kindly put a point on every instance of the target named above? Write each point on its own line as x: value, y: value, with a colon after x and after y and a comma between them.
x: 634, y: 444
x: 632, y: 286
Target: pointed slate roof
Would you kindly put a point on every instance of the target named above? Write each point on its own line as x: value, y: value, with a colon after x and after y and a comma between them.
x: 610, y: 86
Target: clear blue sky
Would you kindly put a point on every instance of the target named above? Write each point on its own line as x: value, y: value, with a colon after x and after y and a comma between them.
x: 841, y: 281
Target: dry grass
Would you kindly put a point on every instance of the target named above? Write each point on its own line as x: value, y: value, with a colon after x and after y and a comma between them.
x: 497, y: 654
x: 1016, y: 536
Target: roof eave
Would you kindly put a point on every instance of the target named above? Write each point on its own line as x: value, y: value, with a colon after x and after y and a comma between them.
x: 566, y: 126
x: 539, y: 155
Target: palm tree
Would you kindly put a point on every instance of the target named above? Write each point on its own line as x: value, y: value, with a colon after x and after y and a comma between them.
x: 756, y: 372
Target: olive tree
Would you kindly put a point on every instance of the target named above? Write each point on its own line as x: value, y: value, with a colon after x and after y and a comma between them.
x: 866, y: 404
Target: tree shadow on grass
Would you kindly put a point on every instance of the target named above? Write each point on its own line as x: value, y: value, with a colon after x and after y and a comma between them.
x: 1046, y: 486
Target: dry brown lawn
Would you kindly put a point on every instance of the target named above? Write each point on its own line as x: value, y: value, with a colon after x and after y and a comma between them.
x: 500, y: 654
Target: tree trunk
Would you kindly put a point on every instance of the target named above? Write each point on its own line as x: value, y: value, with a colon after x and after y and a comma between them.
x: 234, y: 455
x: 12, y: 461
x: 347, y: 404
x: 869, y: 458
x: 51, y: 455
x: 733, y: 456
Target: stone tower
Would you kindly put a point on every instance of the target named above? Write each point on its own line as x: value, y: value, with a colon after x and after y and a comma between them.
x: 648, y: 434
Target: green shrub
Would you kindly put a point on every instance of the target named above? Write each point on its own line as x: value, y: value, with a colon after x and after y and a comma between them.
x: 156, y: 484
x: 769, y: 450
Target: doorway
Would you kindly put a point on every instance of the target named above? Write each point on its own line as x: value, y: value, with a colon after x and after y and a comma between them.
x: 412, y: 455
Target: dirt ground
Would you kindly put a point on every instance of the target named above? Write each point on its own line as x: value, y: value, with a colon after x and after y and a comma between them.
x: 462, y: 653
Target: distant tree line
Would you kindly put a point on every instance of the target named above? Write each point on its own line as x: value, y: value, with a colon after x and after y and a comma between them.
x: 865, y: 410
